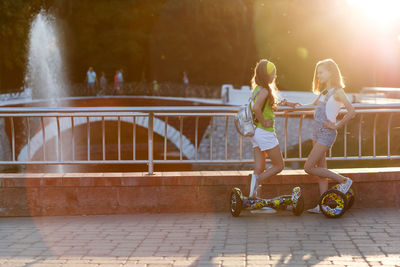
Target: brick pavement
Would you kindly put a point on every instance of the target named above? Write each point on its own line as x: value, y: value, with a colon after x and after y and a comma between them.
x: 361, y: 238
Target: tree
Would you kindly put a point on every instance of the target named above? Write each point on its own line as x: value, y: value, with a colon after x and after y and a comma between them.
x: 15, y: 17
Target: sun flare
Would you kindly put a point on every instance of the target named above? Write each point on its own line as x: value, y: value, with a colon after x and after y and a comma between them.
x: 381, y: 11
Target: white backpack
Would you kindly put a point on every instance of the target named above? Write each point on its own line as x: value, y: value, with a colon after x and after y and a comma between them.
x: 244, y: 121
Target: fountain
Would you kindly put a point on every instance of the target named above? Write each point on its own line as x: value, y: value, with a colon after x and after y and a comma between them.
x: 45, y: 74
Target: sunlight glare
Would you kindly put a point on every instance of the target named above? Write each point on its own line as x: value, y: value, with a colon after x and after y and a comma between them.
x: 382, y: 11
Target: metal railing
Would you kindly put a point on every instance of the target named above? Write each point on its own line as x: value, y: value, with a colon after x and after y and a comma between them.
x: 31, y: 130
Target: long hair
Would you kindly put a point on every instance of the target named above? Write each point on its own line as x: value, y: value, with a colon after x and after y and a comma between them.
x: 336, y: 76
x: 263, y: 79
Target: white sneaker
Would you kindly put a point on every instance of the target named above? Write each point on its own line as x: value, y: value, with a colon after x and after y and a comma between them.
x: 253, y: 185
x: 344, y: 187
x: 264, y: 210
x: 315, y: 210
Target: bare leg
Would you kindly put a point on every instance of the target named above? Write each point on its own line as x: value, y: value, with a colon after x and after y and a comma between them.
x: 259, y: 161
x: 276, y: 161
x: 316, y: 155
x: 322, y: 182
x: 259, y: 166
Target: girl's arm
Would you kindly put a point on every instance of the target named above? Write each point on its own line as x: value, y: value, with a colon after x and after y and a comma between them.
x: 261, y: 98
x: 284, y: 102
x: 315, y: 101
x: 350, y: 109
x: 349, y: 115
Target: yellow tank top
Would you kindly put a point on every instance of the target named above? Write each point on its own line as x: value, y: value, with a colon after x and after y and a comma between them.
x: 267, y: 113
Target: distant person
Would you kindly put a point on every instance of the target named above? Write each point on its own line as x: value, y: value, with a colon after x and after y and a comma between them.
x: 185, y: 82
x: 328, y: 83
x: 116, y: 83
x: 120, y: 80
x: 155, y: 88
x: 91, y: 80
x: 185, y: 79
x: 103, y: 84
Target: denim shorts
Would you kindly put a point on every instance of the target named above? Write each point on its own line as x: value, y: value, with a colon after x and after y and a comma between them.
x: 324, y: 136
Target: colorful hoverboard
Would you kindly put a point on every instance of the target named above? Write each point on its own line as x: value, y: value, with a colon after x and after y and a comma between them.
x: 333, y: 203
x: 293, y: 202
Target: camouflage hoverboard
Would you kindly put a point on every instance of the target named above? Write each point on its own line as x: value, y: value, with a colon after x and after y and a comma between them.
x: 333, y: 203
x: 293, y: 202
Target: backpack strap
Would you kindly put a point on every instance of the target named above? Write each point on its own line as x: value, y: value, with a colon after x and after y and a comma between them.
x: 254, y: 94
x: 252, y: 97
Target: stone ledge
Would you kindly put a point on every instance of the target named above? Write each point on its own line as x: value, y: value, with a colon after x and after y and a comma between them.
x: 200, y: 178
x: 33, y: 194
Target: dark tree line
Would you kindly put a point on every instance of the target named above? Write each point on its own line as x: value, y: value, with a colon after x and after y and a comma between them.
x: 214, y: 41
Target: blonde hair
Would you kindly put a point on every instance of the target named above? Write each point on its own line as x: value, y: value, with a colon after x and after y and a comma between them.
x: 336, y: 76
x: 262, y: 77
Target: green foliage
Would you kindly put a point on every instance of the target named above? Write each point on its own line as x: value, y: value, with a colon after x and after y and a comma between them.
x: 15, y: 18
x: 211, y: 40
x: 214, y: 41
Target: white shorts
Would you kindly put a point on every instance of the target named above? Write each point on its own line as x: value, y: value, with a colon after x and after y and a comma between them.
x: 263, y: 139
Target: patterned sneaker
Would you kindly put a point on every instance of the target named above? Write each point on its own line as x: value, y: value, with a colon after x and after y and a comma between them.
x: 315, y: 210
x: 253, y: 186
x: 344, y: 187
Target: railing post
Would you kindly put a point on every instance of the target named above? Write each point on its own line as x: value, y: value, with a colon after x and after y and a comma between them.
x: 12, y: 139
x: 150, y: 142
x: 285, y: 136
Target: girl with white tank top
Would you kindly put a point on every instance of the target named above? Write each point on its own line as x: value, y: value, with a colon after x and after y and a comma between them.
x: 332, y: 106
x: 328, y: 83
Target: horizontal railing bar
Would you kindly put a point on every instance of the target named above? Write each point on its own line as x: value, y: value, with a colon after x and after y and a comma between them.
x: 105, y: 114
x: 119, y: 109
x: 85, y: 162
x: 76, y: 115
x: 297, y: 112
x: 162, y: 109
x: 205, y: 114
x: 278, y: 113
x: 76, y: 162
x: 193, y: 114
x: 286, y: 160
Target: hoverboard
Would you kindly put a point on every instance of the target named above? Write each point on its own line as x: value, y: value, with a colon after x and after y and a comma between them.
x: 293, y: 202
x: 333, y: 203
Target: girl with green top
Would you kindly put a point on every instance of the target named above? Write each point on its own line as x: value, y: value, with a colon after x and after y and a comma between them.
x: 264, y: 140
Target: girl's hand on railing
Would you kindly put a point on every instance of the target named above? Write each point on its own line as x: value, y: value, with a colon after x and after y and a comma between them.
x: 330, y: 125
x: 284, y: 102
x: 292, y: 104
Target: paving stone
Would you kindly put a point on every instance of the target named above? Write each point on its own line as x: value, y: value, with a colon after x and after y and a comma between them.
x: 359, y: 238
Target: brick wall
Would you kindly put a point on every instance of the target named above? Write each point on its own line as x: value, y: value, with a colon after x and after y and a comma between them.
x: 33, y: 194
